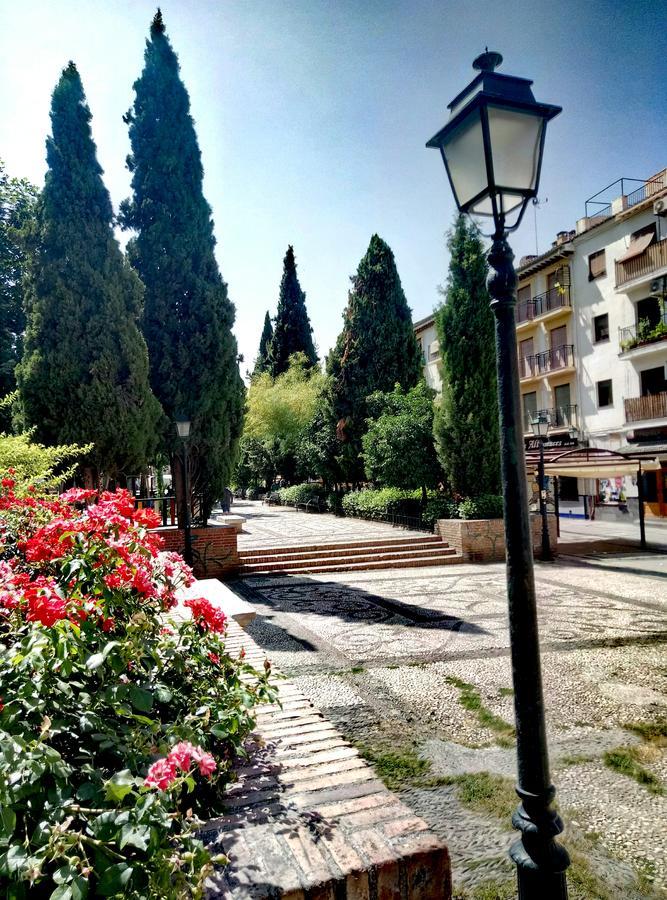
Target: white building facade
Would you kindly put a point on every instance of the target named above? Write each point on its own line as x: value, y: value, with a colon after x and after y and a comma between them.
x: 427, y: 337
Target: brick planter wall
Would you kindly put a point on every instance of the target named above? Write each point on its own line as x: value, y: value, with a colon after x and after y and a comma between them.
x: 483, y: 540
x: 215, y: 549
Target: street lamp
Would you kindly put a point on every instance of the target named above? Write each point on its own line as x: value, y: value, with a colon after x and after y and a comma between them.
x: 540, y: 426
x: 183, y: 430
x: 492, y: 149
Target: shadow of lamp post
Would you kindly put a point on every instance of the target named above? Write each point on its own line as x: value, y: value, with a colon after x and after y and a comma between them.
x: 183, y: 429
x: 540, y: 426
x: 492, y: 149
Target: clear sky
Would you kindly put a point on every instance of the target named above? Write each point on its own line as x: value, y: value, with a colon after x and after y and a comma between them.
x: 312, y: 117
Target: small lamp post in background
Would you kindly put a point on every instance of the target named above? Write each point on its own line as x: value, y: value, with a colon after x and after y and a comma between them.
x: 540, y: 426
x: 492, y: 149
x: 183, y: 429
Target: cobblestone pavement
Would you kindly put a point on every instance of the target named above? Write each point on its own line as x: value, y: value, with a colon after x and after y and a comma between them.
x: 385, y: 655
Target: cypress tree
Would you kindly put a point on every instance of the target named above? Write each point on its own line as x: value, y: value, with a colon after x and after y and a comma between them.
x: 466, y: 421
x: 188, y: 316
x: 263, y: 361
x: 376, y: 350
x: 292, y: 333
x: 84, y: 374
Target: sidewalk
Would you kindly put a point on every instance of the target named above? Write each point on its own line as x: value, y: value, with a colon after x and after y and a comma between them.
x: 620, y: 535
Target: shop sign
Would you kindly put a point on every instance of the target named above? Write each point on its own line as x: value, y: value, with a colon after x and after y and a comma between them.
x: 552, y: 443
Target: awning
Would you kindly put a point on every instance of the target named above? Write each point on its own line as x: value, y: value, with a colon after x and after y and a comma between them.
x: 591, y: 462
x: 636, y: 247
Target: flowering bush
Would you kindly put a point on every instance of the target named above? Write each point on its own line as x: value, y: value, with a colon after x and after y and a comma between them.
x: 120, y: 716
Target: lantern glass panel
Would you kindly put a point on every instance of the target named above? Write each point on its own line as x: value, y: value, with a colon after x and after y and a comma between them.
x: 515, y: 143
x: 463, y: 150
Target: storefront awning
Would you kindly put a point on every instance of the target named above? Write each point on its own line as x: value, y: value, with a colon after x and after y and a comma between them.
x: 591, y: 462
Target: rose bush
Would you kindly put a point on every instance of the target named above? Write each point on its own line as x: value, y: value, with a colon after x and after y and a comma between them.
x: 120, y: 716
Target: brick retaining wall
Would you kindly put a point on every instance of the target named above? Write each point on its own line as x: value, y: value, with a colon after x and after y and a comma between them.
x: 309, y: 820
x: 483, y: 540
x: 215, y: 549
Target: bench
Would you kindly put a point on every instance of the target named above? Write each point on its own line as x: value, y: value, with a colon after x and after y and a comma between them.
x: 315, y: 504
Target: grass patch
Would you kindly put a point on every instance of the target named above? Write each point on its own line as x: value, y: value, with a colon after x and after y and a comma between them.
x: 651, y: 732
x: 357, y: 670
x: 506, y: 692
x: 397, y: 768
x: 583, y: 881
x: 575, y: 759
x: 489, y: 890
x: 470, y: 699
x: 487, y: 793
x: 627, y: 761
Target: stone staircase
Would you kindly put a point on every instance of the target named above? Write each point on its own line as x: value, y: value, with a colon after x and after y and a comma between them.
x: 408, y: 550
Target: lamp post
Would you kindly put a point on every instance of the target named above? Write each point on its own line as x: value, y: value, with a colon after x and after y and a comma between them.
x: 183, y: 429
x: 540, y: 426
x: 492, y: 149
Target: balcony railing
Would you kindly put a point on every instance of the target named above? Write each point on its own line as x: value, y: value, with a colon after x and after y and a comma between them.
x: 557, y: 417
x: 644, y: 332
x: 548, y: 361
x: 553, y: 299
x: 653, y: 406
x: 644, y: 265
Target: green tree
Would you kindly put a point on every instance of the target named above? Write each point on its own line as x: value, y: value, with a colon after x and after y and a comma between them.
x: 18, y: 200
x: 466, y: 421
x: 33, y: 464
x: 376, y: 349
x: 84, y: 374
x: 280, y: 411
x: 188, y: 316
x: 255, y: 468
x: 292, y: 333
x: 263, y: 361
x: 398, y: 446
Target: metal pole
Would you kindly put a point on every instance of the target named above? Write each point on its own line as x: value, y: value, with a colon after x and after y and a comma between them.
x: 546, y: 548
x: 557, y: 504
x: 187, y: 553
x: 640, y: 499
x: 541, y: 862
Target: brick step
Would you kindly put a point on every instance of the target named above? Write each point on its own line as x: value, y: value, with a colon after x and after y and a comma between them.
x: 343, y: 550
x: 449, y: 557
x: 420, y: 538
x: 316, y: 560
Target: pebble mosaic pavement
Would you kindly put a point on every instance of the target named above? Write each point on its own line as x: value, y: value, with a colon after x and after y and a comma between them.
x: 373, y: 651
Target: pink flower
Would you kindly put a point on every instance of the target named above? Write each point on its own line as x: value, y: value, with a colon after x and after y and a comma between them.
x: 77, y: 495
x: 205, y: 762
x: 207, y: 616
x: 161, y: 774
x: 181, y: 754
x: 215, y: 659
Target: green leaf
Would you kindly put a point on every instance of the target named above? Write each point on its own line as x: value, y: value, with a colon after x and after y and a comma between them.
x: 96, y: 660
x: 64, y: 874
x: 114, y: 879
x: 7, y: 824
x: 16, y: 857
x: 141, y: 699
x: 134, y: 835
x: 120, y: 785
x: 62, y: 892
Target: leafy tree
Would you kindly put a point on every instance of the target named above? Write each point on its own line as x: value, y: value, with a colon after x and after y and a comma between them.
x: 263, y: 362
x: 18, y: 199
x: 398, y: 446
x: 376, y: 349
x: 84, y: 374
x: 466, y: 422
x: 255, y: 468
x: 292, y: 333
x: 31, y: 463
x: 188, y: 316
x: 280, y: 411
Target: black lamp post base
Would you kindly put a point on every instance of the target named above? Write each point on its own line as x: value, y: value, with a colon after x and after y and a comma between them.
x: 541, y: 862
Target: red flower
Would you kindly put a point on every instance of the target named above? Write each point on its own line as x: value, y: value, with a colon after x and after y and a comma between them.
x: 45, y: 605
x: 161, y: 774
x: 108, y: 624
x: 207, y: 616
x: 147, y: 517
x: 215, y: 659
x: 8, y: 483
x: 78, y: 495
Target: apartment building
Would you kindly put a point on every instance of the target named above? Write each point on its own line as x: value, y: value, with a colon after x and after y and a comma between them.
x: 592, y: 337
x: 427, y: 338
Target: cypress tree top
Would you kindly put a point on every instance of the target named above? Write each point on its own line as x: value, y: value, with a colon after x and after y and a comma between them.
x: 263, y: 361
x: 293, y: 333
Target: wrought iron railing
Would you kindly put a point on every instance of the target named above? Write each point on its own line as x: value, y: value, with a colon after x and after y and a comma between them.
x: 648, y: 262
x: 647, y: 190
x: 653, y: 406
x: 643, y: 332
x: 553, y: 299
x: 557, y: 417
x: 166, y: 506
x: 548, y: 361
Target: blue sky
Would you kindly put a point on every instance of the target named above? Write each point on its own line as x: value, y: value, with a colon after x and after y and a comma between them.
x: 312, y: 118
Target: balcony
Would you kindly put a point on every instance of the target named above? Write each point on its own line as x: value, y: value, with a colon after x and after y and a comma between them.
x: 558, y: 417
x: 548, y: 362
x: 641, y: 409
x: 642, y: 334
x: 554, y: 300
x: 645, y: 265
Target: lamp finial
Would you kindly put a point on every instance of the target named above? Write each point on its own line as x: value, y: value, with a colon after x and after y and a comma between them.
x: 487, y: 61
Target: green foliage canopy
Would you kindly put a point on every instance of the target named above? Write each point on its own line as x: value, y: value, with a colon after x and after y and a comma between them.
x: 263, y: 362
x: 84, y: 376
x: 293, y: 333
x: 466, y: 422
x: 35, y: 464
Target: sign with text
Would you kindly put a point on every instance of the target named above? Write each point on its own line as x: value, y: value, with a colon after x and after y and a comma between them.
x: 552, y: 443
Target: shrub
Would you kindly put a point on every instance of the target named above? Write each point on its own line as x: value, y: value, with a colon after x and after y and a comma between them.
x: 486, y: 506
x: 439, y: 507
x: 118, y: 726
x: 301, y: 493
x: 379, y: 504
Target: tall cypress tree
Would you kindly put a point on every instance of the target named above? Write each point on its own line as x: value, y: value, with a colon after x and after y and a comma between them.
x: 84, y: 375
x: 466, y: 421
x: 376, y: 349
x: 188, y: 316
x: 263, y: 361
x: 292, y: 333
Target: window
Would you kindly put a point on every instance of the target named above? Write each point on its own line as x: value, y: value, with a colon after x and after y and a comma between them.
x: 529, y: 409
x: 648, y: 311
x: 653, y: 381
x: 523, y: 294
x: 649, y: 230
x: 434, y: 350
x: 604, y: 393
x: 601, y: 326
x: 596, y: 265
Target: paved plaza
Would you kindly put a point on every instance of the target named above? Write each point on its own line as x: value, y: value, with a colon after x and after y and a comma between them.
x: 414, y: 667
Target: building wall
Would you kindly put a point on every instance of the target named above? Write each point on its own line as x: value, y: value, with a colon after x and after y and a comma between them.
x: 428, y: 340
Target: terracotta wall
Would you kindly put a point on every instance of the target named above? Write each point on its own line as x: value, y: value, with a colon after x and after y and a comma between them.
x: 214, y: 548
